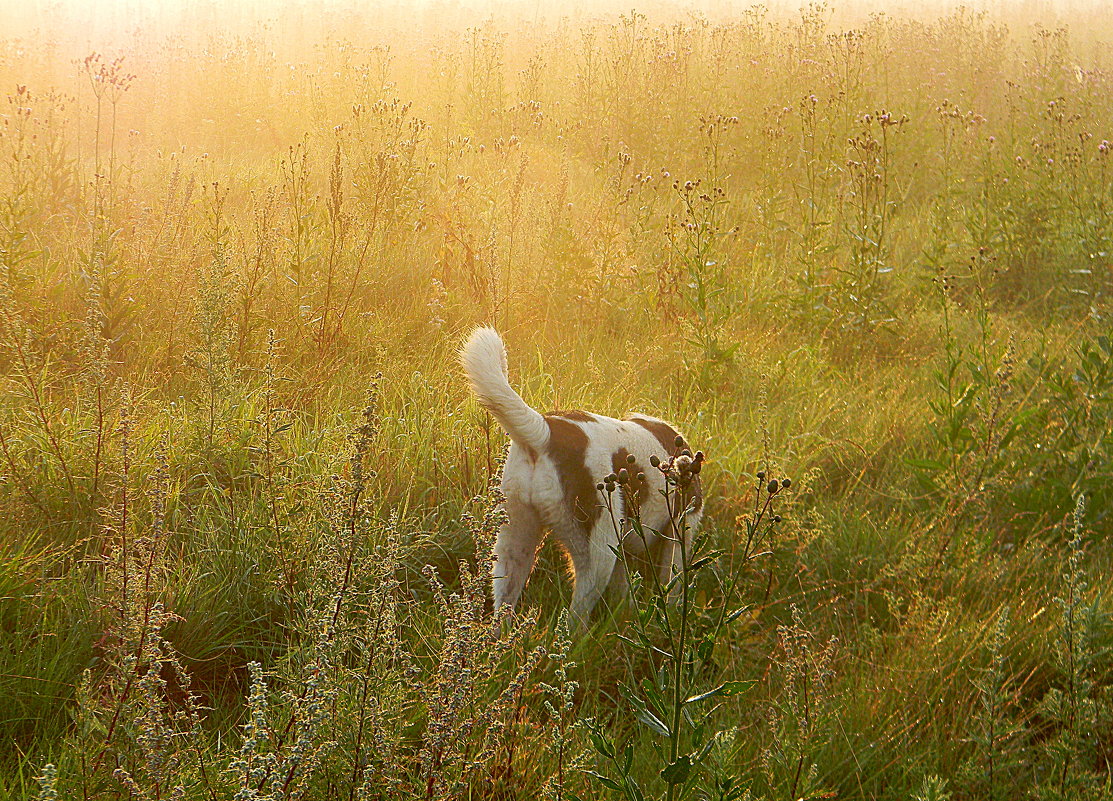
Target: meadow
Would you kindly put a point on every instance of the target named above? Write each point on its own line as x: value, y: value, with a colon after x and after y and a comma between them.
x: 247, y: 500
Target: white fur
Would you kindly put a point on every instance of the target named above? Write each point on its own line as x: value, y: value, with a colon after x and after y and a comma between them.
x: 536, y: 498
x: 484, y: 360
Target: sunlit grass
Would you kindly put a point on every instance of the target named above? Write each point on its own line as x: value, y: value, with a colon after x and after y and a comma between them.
x: 246, y: 495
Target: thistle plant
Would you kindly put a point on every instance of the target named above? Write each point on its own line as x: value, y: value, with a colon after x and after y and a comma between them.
x: 872, y: 204
x: 252, y: 765
x: 697, y: 233
x: 678, y: 636
x: 285, y: 741
x: 813, y: 196
x: 109, y: 81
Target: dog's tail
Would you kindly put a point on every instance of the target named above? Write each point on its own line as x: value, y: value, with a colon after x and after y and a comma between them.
x: 484, y: 359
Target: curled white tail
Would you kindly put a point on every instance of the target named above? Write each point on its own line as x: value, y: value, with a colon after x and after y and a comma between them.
x: 484, y: 359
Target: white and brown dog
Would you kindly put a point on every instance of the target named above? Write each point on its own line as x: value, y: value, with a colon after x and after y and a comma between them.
x: 551, y: 481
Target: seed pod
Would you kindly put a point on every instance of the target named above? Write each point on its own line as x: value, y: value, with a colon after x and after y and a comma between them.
x: 786, y: 483
x: 760, y: 475
x: 679, y: 441
x: 599, y: 486
x: 631, y: 458
x: 623, y: 476
x: 773, y: 486
x: 655, y: 460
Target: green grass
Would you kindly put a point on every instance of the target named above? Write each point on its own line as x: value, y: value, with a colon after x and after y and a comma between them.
x: 887, y: 279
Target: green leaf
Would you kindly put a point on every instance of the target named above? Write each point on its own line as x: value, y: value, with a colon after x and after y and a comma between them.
x: 653, y: 722
x: 727, y: 688
x: 604, y: 780
x: 677, y: 772
x: 737, y: 613
x: 924, y: 464
x: 602, y: 744
x: 705, y: 750
x: 704, y: 561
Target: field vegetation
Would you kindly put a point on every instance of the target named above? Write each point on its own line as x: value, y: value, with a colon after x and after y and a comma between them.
x: 247, y: 501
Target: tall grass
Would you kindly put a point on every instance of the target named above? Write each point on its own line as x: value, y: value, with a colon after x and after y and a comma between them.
x: 247, y: 501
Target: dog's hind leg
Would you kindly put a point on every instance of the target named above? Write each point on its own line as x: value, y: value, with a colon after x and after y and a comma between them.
x: 594, y: 562
x: 515, y: 552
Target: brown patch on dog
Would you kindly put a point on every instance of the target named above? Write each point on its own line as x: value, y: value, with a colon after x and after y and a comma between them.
x: 574, y: 414
x: 634, y: 492
x: 691, y: 497
x: 568, y: 448
x: 664, y: 433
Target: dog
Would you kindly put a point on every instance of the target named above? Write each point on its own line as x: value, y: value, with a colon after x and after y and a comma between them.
x: 583, y: 477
